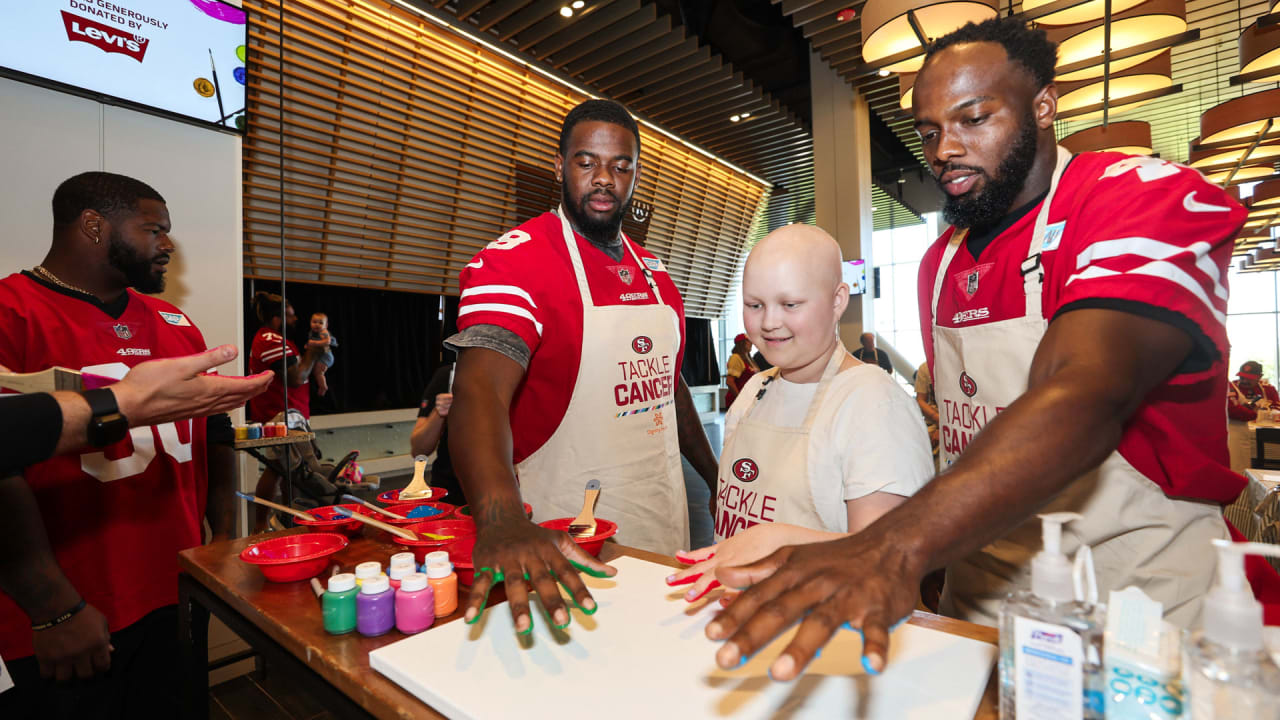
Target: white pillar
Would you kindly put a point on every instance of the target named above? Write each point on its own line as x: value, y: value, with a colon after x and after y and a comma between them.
x: 842, y: 180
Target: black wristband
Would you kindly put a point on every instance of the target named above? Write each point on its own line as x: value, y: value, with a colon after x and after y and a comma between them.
x: 61, y: 618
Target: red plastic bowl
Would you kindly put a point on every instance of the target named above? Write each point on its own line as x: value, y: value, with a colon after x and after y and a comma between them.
x: 393, y: 496
x: 446, y: 512
x: 333, y: 521
x: 293, y: 557
x: 455, y: 529
x: 465, y: 511
x: 604, y: 529
x: 460, y: 555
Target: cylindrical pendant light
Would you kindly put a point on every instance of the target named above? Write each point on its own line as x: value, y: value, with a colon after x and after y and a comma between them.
x: 1154, y: 74
x: 906, y: 83
x: 1242, y: 118
x: 1260, y: 50
x: 1082, y: 13
x: 887, y: 27
x: 1132, y: 137
x: 1265, y: 195
x: 1149, y: 21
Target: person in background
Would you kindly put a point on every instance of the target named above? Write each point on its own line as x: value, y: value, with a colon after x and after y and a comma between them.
x: 320, y: 333
x: 1245, y: 397
x: 93, y: 590
x: 820, y: 446
x: 928, y: 403
x: 572, y: 373
x: 868, y: 353
x: 739, y: 368
x: 1049, y: 257
x: 272, y: 352
x: 431, y: 433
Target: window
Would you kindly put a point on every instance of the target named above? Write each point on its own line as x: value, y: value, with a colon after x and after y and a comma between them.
x: 896, y: 254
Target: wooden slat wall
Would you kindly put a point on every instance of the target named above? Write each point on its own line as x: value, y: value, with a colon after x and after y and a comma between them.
x: 400, y: 144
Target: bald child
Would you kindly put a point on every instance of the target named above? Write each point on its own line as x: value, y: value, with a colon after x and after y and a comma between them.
x: 821, y: 445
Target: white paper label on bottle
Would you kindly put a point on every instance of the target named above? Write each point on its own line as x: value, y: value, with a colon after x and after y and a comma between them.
x: 6, y: 680
x: 1048, y: 671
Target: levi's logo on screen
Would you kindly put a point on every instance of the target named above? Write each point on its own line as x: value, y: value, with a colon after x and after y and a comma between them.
x: 109, y: 39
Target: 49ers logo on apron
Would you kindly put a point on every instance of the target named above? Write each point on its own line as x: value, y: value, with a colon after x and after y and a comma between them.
x: 642, y: 345
x: 967, y: 385
x: 745, y: 469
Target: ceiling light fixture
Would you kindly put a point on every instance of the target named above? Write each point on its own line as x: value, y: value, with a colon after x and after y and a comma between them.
x: 744, y: 116
x: 1259, y: 53
x: 1132, y: 137
x: 883, y: 72
x: 1081, y: 13
x: 846, y: 15
x: 566, y: 11
x: 578, y: 4
x: 1129, y: 87
x: 1145, y: 23
x: 1242, y: 119
x: 906, y: 82
x: 735, y: 118
x: 900, y: 29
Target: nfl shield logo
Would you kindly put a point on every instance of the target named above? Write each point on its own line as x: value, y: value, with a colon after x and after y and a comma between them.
x: 971, y: 285
x: 624, y: 274
x: 123, y: 332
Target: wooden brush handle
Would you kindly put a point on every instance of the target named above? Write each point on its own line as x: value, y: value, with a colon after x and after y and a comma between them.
x: 398, y: 532
x: 281, y: 508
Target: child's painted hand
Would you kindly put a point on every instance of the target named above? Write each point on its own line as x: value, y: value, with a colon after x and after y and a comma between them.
x: 743, y: 548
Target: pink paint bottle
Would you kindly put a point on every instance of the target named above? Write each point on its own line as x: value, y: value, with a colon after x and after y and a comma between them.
x: 375, y: 607
x: 415, y: 604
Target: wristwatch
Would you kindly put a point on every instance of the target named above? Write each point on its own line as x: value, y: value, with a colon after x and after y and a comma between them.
x: 107, y: 425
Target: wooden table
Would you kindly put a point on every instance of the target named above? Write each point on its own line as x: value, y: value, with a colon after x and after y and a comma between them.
x: 282, y: 621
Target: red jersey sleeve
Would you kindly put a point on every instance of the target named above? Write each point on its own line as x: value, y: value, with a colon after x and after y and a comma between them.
x: 267, y: 350
x: 1155, y: 233
x: 499, y: 287
x: 12, y: 330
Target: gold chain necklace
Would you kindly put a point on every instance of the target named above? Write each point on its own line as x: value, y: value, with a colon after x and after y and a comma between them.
x: 43, y: 272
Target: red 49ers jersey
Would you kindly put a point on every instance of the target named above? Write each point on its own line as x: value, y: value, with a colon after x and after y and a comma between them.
x: 524, y: 282
x: 1136, y: 234
x: 116, y: 517
x: 267, y: 352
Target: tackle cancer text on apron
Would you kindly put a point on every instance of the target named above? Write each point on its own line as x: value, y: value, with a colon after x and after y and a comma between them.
x: 1139, y: 535
x: 632, y: 448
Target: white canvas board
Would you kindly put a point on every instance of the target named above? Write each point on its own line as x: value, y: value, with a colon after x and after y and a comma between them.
x: 644, y: 653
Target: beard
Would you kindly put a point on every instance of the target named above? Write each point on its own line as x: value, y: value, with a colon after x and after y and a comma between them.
x: 986, y: 207
x: 603, y: 232
x: 136, y: 269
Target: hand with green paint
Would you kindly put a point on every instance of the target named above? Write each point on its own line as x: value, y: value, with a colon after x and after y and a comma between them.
x: 512, y: 549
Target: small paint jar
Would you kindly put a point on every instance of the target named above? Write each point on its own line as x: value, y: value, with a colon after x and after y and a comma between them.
x: 436, y: 556
x: 254, y: 430
x: 444, y: 581
x: 415, y: 604
x: 338, y: 604
x: 397, y: 573
x: 403, y: 558
x: 376, y: 607
x: 242, y: 432
x: 281, y: 429
x: 366, y: 570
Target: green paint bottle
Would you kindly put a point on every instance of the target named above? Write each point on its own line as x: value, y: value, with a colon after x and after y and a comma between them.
x: 339, y: 604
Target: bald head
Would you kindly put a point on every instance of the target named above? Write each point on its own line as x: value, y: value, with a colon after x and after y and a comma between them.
x: 806, y: 250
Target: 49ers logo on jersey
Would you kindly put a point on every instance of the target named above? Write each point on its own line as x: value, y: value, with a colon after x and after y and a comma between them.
x: 105, y: 37
x: 745, y: 469
x: 642, y: 344
x: 967, y: 385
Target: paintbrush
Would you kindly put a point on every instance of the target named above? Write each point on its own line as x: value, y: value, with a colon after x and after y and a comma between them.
x: 397, y: 531
x: 217, y: 89
x: 53, y: 379
x: 276, y: 506
x: 371, y: 506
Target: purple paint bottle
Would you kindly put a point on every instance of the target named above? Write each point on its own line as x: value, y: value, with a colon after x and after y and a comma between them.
x: 415, y: 604
x: 375, y: 607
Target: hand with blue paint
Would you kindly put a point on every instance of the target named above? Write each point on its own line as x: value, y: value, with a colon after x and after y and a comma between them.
x: 866, y: 582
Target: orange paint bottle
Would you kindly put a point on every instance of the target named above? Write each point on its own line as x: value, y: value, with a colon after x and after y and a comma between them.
x: 444, y: 582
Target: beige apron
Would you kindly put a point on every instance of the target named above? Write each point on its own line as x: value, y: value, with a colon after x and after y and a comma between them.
x: 762, y: 466
x: 1139, y: 535
x: 631, y: 448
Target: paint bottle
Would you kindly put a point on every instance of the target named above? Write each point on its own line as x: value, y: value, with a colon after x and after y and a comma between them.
x: 435, y: 557
x: 396, y: 574
x: 444, y: 581
x: 401, y: 558
x: 415, y: 604
x: 376, y: 607
x: 255, y: 431
x: 242, y: 432
x: 366, y: 570
x: 338, y: 604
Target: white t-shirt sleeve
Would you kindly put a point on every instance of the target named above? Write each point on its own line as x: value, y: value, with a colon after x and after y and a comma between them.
x: 875, y: 441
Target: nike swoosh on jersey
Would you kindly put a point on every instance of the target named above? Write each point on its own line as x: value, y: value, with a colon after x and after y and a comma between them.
x: 1192, y: 205
x: 477, y: 264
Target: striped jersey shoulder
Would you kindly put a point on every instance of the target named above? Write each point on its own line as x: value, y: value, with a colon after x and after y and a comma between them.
x: 502, y: 282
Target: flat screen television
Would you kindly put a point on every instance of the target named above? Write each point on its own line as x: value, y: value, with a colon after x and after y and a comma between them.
x: 854, y: 274
x: 180, y: 58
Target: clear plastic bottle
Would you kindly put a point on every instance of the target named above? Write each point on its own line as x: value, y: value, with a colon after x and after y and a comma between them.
x: 1050, y: 643
x: 1226, y: 671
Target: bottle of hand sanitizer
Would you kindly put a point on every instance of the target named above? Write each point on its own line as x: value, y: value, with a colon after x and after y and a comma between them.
x: 1226, y: 671
x: 1050, y: 643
